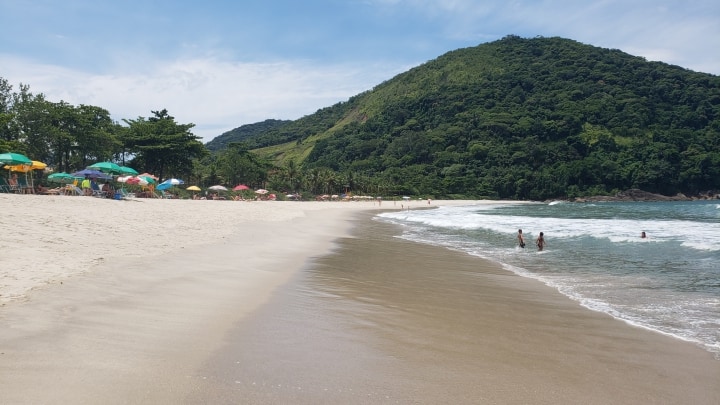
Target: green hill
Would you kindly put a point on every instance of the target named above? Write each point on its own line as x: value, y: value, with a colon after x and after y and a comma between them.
x: 246, y: 133
x: 519, y: 118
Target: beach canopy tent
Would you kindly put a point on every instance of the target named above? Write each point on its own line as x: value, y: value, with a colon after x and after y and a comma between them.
x: 13, y: 159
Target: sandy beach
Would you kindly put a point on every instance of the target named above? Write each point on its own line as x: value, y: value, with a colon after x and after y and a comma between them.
x: 179, y: 301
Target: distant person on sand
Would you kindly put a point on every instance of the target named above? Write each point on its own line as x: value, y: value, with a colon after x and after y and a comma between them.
x: 85, y: 185
x: 521, y: 240
x: 13, y: 182
x: 540, y: 241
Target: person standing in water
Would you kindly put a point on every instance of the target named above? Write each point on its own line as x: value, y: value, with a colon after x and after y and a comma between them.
x: 521, y: 240
x: 540, y: 241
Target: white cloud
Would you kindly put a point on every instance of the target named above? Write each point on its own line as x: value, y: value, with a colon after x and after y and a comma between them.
x: 214, y: 95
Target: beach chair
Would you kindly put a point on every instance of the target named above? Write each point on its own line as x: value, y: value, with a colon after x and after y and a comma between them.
x: 124, y: 194
x: 71, y: 189
x: 14, y: 188
x: 96, y: 191
x: 24, y: 187
x: 4, y: 185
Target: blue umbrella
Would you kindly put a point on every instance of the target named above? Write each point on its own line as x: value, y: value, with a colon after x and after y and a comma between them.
x: 93, y: 174
x: 169, y: 183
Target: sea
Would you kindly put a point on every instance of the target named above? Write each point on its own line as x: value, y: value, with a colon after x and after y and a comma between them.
x: 668, y: 282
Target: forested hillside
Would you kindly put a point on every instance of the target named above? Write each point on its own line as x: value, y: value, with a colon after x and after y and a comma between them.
x: 246, y: 133
x: 520, y: 118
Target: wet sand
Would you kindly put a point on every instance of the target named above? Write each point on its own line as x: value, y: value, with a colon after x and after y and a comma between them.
x: 385, y: 321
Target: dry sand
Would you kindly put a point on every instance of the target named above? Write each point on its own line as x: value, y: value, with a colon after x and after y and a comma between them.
x: 176, y: 301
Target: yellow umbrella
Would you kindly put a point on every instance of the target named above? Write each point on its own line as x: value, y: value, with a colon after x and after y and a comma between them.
x: 26, y: 168
x: 193, y: 188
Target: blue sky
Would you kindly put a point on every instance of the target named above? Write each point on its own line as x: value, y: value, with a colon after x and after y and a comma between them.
x: 222, y: 64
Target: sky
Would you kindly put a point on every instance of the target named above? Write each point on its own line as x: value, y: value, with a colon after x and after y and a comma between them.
x: 223, y: 64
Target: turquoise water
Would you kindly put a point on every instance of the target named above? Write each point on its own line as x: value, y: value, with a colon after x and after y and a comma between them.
x: 668, y: 282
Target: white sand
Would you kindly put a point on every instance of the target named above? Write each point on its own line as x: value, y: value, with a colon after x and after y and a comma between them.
x: 46, y: 239
x: 120, y: 301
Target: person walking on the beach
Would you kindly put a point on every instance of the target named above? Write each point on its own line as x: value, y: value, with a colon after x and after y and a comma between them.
x: 521, y: 240
x: 540, y: 241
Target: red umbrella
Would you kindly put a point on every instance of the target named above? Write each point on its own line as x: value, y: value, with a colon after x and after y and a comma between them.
x: 241, y: 187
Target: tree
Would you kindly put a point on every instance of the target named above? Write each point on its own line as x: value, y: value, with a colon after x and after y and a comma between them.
x: 238, y: 165
x: 161, y: 145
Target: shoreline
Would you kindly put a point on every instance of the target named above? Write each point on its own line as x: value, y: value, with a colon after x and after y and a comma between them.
x: 309, y: 303
x: 387, y: 327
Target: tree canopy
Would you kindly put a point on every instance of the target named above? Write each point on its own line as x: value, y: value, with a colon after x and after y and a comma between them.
x: 160, y: 145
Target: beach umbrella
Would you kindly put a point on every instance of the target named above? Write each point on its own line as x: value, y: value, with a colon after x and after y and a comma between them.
x: 61, y: 177
x: 147, y: 179
x: 172, y: 182
x: 261, y: 191
x: 106, y: 167
x: 240, y: 187
x: 128, y: 171
x: 146, y: 174
x: 35, y: 165
x: 193, y: 188
x: 169, y: 183
x: 133, y: 180
x: 91, y: 173
x: 14, y: 159
x: 218, y: 188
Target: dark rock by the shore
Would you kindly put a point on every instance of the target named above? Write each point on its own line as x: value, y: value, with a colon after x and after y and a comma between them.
x: 640, y: 195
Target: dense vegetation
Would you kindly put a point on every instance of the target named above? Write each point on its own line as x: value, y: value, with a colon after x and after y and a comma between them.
x: 247, y: 134
x: 528, y: 119
x: 516, y: 118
